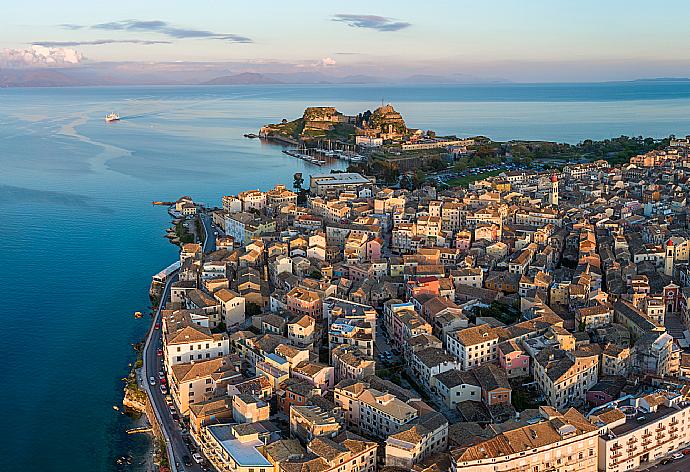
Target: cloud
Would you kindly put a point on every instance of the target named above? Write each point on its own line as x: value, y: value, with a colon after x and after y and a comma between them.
x: 97, y: 42
x: 379, y: 23
x: 38, y: 55
x: 164, y: 28
x: 327, y: 61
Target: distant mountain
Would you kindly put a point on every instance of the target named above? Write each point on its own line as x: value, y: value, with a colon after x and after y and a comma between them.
x: 360, y: 79
x: 36, y: 78
x: 457, y: 79
x: 245, y: 78
x: 663, y: 79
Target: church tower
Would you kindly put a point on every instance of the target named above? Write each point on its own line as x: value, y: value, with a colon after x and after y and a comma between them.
x: 669, y: 257
x: 553, y: 195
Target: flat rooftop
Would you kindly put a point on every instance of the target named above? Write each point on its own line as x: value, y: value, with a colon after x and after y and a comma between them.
x: 245, y: 453
x: 339, y: 179
x: 632, y: 423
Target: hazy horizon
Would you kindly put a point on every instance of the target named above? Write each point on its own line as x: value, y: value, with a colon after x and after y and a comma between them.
x: 496, y: 40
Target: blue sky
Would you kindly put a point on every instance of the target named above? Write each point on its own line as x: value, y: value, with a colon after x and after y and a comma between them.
x: 528, y: 40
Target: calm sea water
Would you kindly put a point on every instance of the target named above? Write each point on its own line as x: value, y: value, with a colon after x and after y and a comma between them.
x: 80, y: 238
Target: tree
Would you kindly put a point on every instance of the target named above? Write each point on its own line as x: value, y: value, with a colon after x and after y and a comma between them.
x: 298, y: 181
x: 252, y: 309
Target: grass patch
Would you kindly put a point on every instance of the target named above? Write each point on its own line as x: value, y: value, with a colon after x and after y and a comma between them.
x: 466, y: 180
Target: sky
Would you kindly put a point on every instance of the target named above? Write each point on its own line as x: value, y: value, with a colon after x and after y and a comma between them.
x: 517, y: 40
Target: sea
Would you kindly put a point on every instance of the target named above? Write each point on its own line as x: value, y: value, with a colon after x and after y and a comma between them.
x: 80, y: 239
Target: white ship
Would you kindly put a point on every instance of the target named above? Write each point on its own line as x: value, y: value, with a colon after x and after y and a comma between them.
x: 112, y: 117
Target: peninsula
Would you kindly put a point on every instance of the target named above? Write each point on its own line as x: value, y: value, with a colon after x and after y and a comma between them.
x: 535, y: 316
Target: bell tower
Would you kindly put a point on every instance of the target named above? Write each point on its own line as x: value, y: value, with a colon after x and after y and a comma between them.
x: 553, y: 195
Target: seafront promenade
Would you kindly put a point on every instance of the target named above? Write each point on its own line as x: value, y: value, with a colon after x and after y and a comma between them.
x: 173, y: 437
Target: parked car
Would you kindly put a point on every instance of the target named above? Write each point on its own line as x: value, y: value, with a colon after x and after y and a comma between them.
x: 152, y: 381
x: 666, y: 461
x: 686, y: 451
x: 161, y: 375
x: 677, y: 455
x: 159, y: 352
x: 186, y: 460
x: 164, y: 390
x: 157, y: 326
x: 197, y: 458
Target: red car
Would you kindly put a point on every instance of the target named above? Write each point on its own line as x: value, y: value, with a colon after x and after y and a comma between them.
x: 686, y: 451
x: 157, y: 326
x: 159, y: 352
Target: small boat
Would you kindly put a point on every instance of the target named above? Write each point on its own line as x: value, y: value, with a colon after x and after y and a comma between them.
x: 116, y: 408
x: 137, y: 314
x: 112, y: 117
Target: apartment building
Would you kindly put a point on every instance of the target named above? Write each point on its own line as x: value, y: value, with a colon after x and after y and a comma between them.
x: 635, y: 431
x: 301, y: 331
x: 372, y: 411
x: 232, y: 307
x: 308, y: 422
x: 347, y: 452
x: 563, y: 442
x: 195, y: 382
x: 302, y: 301
x: 185, y: 341
x: 349, y: 362
x: 231, y: 448
x: 565, y: 376
x: 423, y: 437
x: 352, y: 332
x: 473, y: 346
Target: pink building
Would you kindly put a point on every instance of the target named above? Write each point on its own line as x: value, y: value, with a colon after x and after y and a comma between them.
x: 513, y: 359
x: 301, y: 301
x: 373, y: 249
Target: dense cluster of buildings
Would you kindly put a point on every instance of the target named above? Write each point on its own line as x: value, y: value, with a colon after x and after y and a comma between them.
x: 535, y: 321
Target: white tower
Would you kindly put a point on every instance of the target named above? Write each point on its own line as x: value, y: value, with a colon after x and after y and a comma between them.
x: 669, y: 258
x: 553, y: 195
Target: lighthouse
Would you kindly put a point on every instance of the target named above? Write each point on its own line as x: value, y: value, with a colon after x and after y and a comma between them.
x: 553, y: 195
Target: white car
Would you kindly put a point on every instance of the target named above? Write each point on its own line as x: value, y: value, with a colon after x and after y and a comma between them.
x: 677, y: 455
x: 152, y: 381
x: 197, y: 458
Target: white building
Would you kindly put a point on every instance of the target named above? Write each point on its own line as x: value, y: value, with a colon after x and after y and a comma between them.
x: 638, y: 431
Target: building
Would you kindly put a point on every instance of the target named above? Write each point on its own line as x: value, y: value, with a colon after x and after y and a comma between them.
x: 473, y: 346
x: 346, y: 452
x: 564, y: 377
x: 184, y: 341
x: 425, y: 436
x: 231, y: 449
x: 308, y: 422
x: 333, y: 184
x: 197, y: 381
x: 372, y: 411
x: 563, y: 442
x: 304, y: 302
x: 635, y: 431
x: 350, y: 362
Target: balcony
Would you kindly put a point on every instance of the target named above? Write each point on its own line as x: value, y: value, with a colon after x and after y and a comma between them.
x: 616, y: 446
x: 646, y: 434
x: 632, y: 440
x: 661, y: 427
x: 616, y: 455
